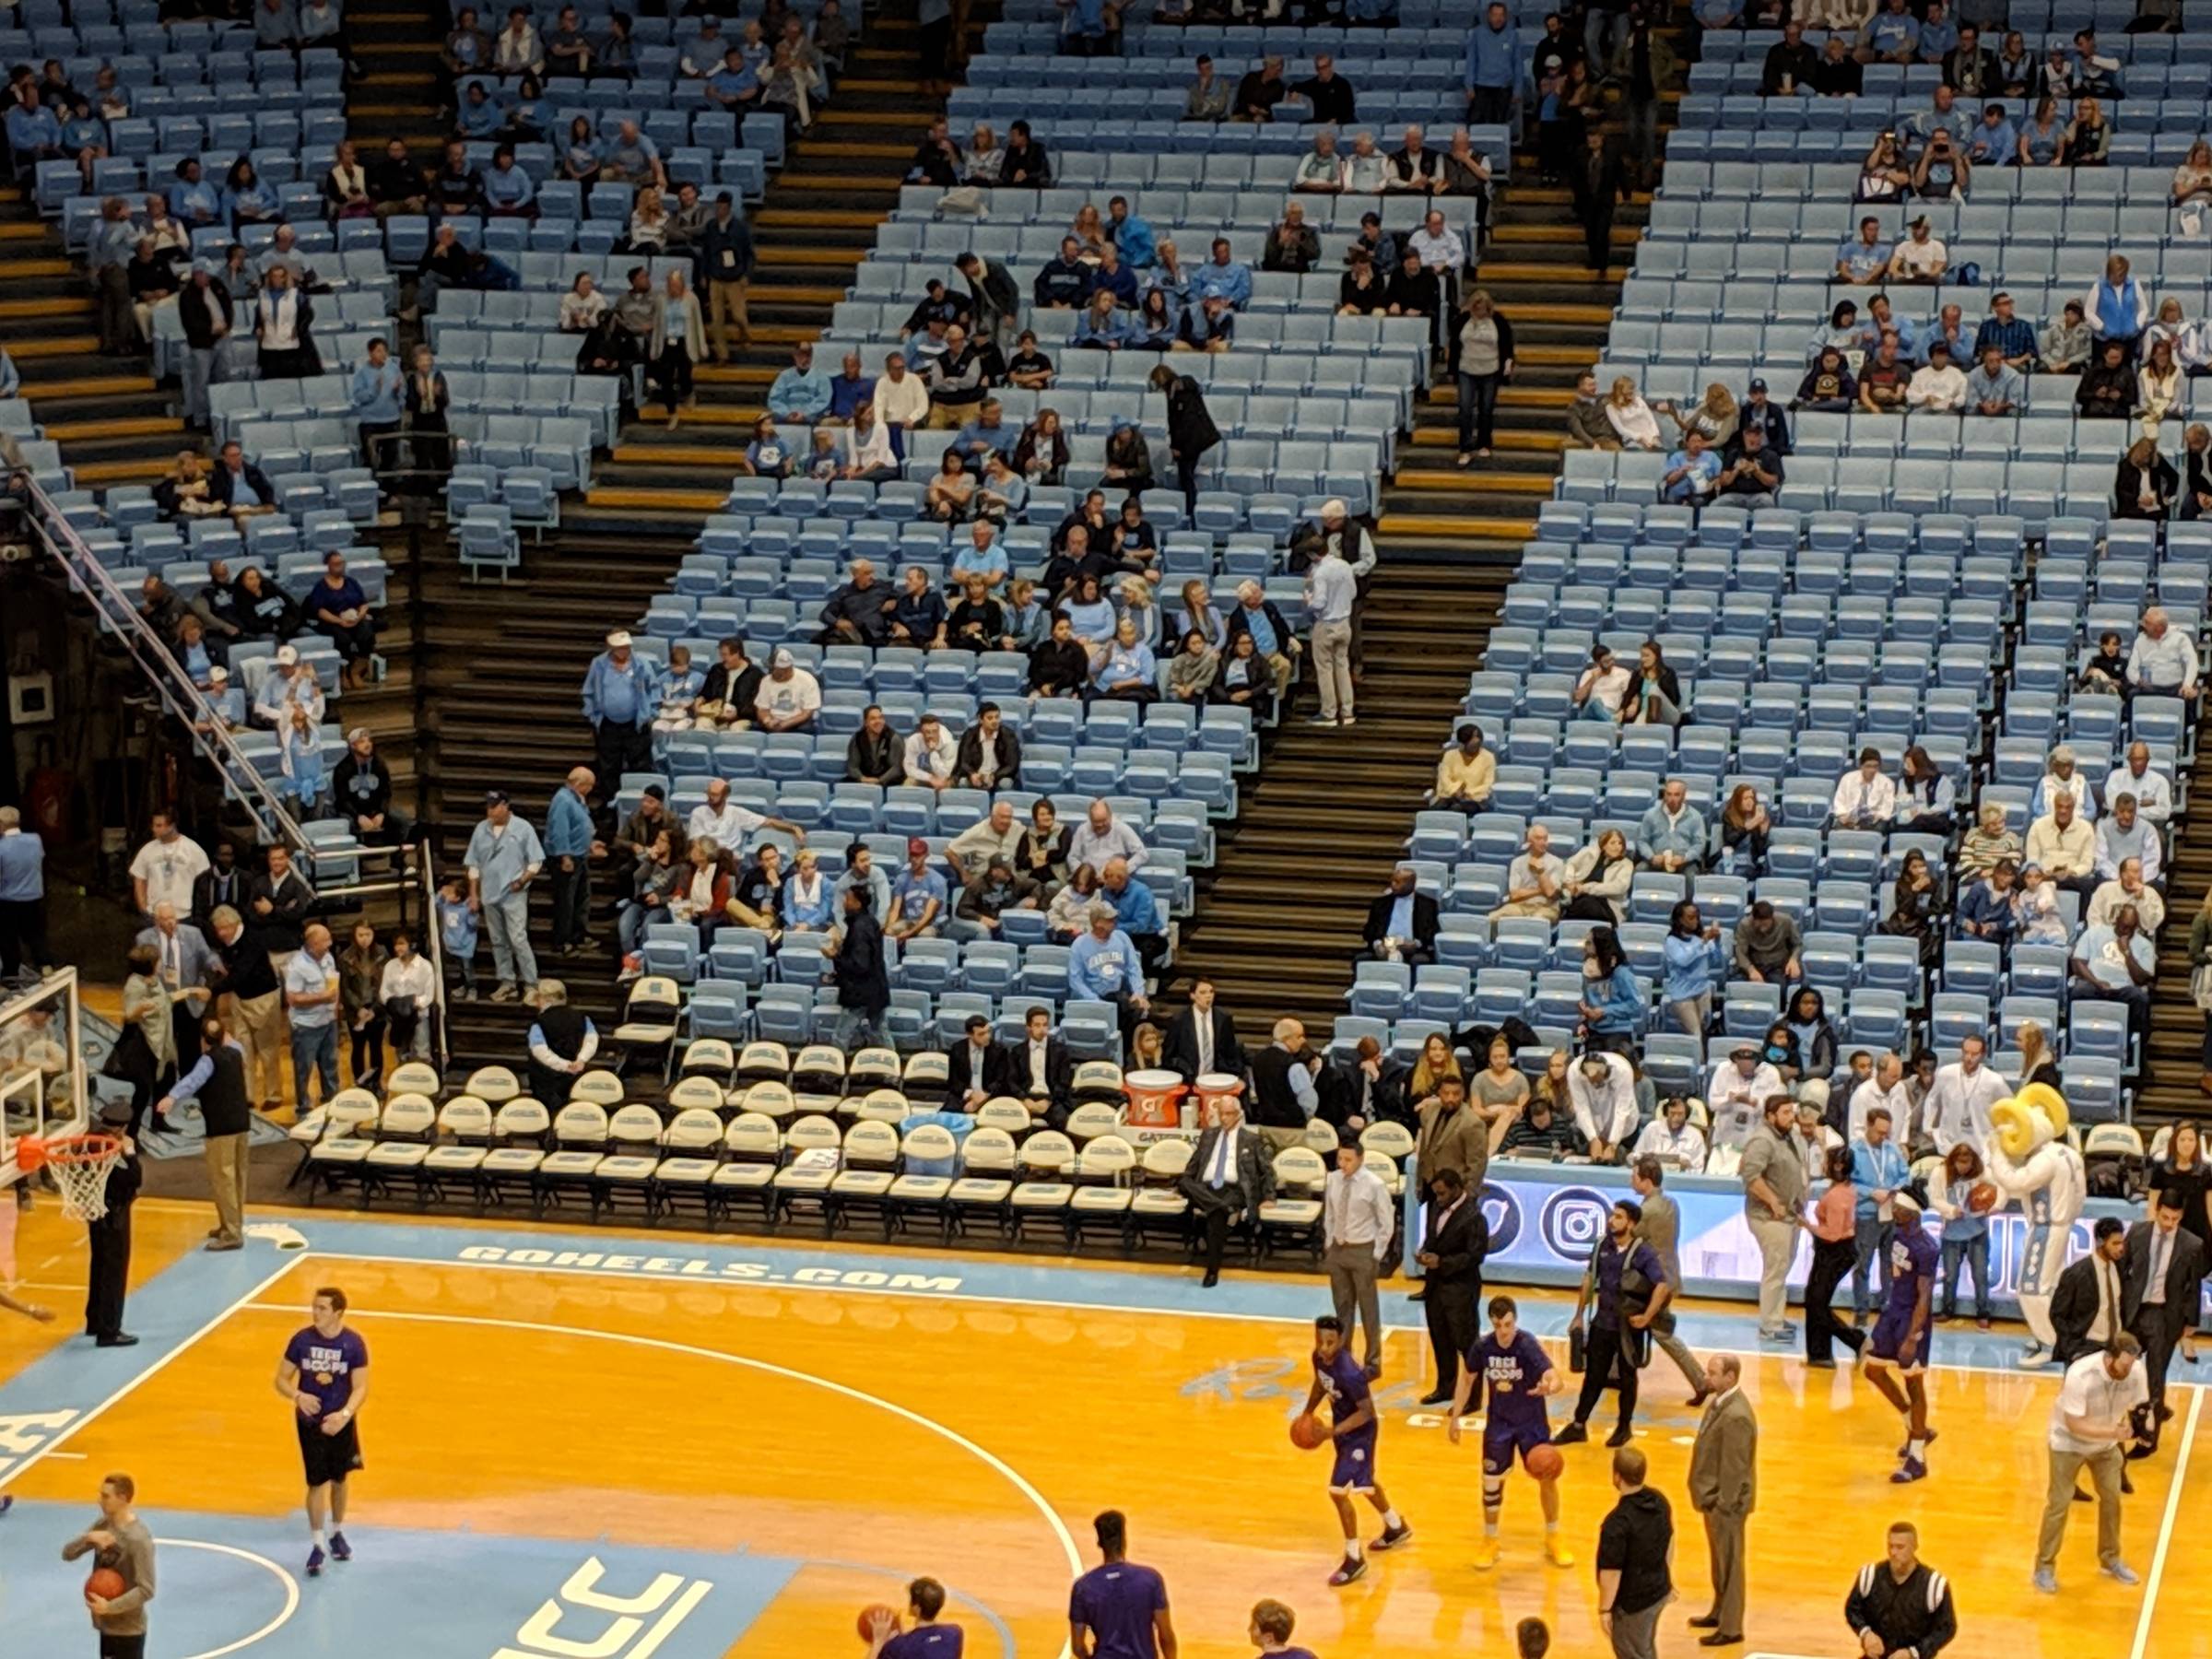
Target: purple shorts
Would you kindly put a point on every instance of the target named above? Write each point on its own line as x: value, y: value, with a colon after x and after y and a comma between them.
x: 1889, y: 1335
x: 1353, y: 1470
x: 1501, y: 1442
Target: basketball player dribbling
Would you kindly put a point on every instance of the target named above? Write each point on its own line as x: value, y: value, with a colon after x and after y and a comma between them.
x: 1519, y: 1377
x: 1354, y: 1429
x: 325, y: 1375
x: 1896, y: 1361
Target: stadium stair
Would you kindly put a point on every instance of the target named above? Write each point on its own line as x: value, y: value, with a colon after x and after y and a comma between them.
x: 838, y: 184
x: 2170, y: 1086
x: 1279, y: 923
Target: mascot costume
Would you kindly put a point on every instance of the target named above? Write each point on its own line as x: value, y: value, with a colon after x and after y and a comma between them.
x: 2030, y: 1160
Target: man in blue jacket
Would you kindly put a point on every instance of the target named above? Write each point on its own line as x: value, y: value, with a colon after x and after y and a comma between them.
x: 570, y: 847
x: 1494, y: 65
x: 620, y: 702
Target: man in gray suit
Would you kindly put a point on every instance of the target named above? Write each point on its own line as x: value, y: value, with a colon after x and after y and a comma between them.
x: 187, y: 964
x: 1723, y: 1488
x: 1228, y: 1177
x: 1661, y: 1227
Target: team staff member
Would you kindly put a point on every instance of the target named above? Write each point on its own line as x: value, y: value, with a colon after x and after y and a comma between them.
x: 111, y: 1238
x: 218, y: 1081
x: 1451, y: 1252
x: 2092, y: 1424
x: 325, y: 1375
x: 1900, y: 1608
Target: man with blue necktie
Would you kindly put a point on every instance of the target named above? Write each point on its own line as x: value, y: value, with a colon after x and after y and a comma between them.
x: 1228, y: 1177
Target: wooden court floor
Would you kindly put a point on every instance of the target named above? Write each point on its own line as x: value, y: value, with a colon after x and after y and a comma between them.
x: 859, y: 1438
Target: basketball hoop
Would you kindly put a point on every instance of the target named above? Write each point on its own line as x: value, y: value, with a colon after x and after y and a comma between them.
x: 80, y: 1164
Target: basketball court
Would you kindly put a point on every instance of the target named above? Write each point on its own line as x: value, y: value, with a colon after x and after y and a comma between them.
x: 580, y: 1443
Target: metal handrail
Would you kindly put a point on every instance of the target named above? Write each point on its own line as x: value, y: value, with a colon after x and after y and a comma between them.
x: 81, y: 566
x: 425, y: 871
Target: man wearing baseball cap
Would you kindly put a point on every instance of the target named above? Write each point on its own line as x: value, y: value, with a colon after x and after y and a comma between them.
x: 504, y: 856
x: 620, y: 702
x: 918, y: 896
x: 292, y: 681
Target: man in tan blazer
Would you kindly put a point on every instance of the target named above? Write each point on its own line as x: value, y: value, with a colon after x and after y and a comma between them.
x: 1723, y: 1488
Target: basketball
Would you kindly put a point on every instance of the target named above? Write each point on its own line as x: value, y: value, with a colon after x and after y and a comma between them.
x: 870, y: 1614
x: 1545, y: 1462
x: 105, y: 1583
x: 1306, y: 1431
x: 1981, y: 1197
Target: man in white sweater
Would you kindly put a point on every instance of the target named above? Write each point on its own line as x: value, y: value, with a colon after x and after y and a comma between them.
x: 1958, y: 1101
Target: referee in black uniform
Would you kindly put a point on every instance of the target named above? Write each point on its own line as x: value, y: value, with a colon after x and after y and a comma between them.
x: 1900, y: 1607
x: 111, y: 1237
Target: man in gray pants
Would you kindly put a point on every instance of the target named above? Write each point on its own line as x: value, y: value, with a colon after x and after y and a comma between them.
x: 504, y: 856
x: 1661, y: 1227
x: 1357, y: 1222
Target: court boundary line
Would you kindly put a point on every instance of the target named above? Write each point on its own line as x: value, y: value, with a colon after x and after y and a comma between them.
x: 291, y: 1591
x: 143, y: 1375
x: 1760, y: 1350
x: 982, y: 1455
x: 2173, y: 1507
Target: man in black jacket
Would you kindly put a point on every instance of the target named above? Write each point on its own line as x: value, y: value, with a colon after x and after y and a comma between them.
x: 1255, y: 613
x: 975, y: 1070
x: 110, y: 1236
x: 1203, y: 1038
x: 241, y: 486
x: 989, y: 755
x: 2164, y: 1264
x: 251, y: 1001
x: 1457, y: 1239
x: 1038, y: 1068
x: 218, y: 1081
x: 1328, y: 92
x: 1790, y: 63
x: 363, y: 787
x: 2090, y: 1302
x: 1401, y: 924
x: 205, y: 312
x: 996, y: 299
x: 1901, y: 1602
x: 864, y: 983
x: 1595, y: 178
x: 222, y: 883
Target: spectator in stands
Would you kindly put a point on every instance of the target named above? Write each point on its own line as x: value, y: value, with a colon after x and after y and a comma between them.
x: 1587, y: 427
x: 583, y: 305
x: 1292, y: 244
x: 1630, y: 417
x: 1892, y: 36
x: 338, y: 610
x: 283, y: 323
x: 1322, y: 170
x: 1989, y: 909
x: 1692, y: 471
x: 150, y: 278
x: 1744, y: 827
x: 2064, y: 778
x: 1789, y: 63
x: 111, y: 241
x: 503, y: 857
x: 1883, y: 175
x: 1828, y: 387
x: 1534, y: 879
x: 1695, y: 963
x: 679, y: 341
x: 1926, y: 798
x: 240, y: 488
x: 801, y: 393
x: 1402, y: 922
x: 2126, y: 887
x: 1482, y: 361
x: 2151, y: 790
x: 1922, y: 257
x: 2089, y: 137
x: 1493, y: 68
x: 1259, y: 91
x: 1913, y: 901
x: 2145, y: 484
x: 1865, y: 798
x: 2118, y: 308
x: 1598, y: 878
x: 1836, y: 74
x: 1467, y: 774
x: 789, y: 697
x: 1598, y: 691
x: 1937, y: 386
x: 2063, y: 847
x: 1031, y: 369
x: 1670, y: 836
x: 2158, y: 391
x: 1765, y: 944
x: 1752, y: 473
x: 2117, y: 963
x: 872, y: 754
x: 2064, y: 346
x: 1207, y: 98
x: 1026, y: 165
x: 2162, y: 660
x: 193, y: 198
x: 1864, y: 260
x: 203, y: 311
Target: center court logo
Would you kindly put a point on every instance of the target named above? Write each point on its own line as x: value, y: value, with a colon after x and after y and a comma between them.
x: 1572, y: 1221
x: 602, y: 1624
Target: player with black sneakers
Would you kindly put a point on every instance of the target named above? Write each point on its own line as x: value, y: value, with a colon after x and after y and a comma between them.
x: 1354, y: 1429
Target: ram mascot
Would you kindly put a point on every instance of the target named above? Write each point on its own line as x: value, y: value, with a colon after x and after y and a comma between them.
x: 2031, y: 1159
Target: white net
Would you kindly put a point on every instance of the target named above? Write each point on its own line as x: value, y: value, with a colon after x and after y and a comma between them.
x: 81, y: 1170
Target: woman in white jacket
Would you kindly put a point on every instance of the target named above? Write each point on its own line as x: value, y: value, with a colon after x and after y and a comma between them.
x: 407, y: 973
x: 1631, y: 416
x: 679, y: 339
x: 1598, y: 878
x: 868, y: 452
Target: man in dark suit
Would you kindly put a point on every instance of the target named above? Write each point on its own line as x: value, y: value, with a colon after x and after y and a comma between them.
x: 2165, y: 1262
x: 1457, y: 1239
x: 975, y: 1071
x: 1401, y: 924
x: 2088, y: 1306
x: 1203, y: 1038
x: 1038, y: 1068
x: 1230, y: 1176
x: 184, y: 963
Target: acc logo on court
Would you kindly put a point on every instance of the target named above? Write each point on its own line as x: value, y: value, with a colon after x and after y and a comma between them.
x: 601, y: 1626
x: 1572, y: 1221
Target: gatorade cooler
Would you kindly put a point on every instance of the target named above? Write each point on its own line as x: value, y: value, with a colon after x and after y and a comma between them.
x: 1213, y: 1089
x: 1153, y: 1096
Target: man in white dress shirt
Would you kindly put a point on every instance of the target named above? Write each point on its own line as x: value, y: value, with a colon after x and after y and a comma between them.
x: 2091, y: 1424
x: 1958, y: 1101
x: 1357, y: 1218
x: 1601, y: 1089
x: 2153, y: 789
x: 1866, y: 798
x: 1738, y: 1095
x: 1886, y: 1090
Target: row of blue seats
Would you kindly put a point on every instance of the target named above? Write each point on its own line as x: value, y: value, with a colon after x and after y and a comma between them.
x: 2132, y: 51
x: 1808, y: 305
x: 1755, y: 541
x: 1209, y: 190
x: 2137, y: 149
x: 2140, y: 83
x: 1773, y: 176
x: 2042, y: 259
x: 1781, y: 218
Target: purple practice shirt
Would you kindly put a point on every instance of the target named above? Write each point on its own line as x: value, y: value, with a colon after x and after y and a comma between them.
x: 1116, y: 1601
x: 326, y: 1364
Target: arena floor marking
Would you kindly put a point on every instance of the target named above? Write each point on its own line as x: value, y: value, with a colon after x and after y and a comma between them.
x: 369, y: 1314
x: 2156, y: 1576
x: 284, y: 1614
